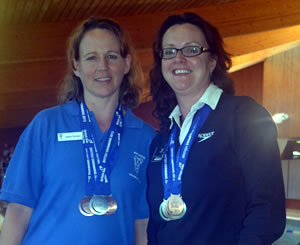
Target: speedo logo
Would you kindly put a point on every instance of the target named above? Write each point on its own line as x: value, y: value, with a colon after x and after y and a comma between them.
x: 205, y: 136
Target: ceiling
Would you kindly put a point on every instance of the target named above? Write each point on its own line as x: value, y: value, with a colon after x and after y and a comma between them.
x: 45, y: 11
x: 34, y: 34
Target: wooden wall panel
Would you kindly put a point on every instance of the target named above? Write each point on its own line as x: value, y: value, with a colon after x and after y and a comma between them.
x: 281, y: 90
x: 31, y: 75
x: 34, y: 42
x: 18, y: 118
x: 144, y: 111
x: 32, y: 55
x: 249, y: 82
x: 18, y: 109
x: 30, y: 99
x: 27, y: 88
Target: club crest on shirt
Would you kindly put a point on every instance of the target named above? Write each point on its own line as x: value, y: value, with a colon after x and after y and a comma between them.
x: 205, y: 136
x: 138, y: 160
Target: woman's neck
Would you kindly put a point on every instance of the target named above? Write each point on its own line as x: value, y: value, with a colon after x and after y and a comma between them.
x: 185, y: 104
x: 186, y: 101
x: 103, y: 110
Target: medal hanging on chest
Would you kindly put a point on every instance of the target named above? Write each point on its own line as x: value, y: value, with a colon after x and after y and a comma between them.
x: 98, y: 199
x: 173, y: 206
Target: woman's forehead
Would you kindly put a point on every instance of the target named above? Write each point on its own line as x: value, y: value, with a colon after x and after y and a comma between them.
x: 99, y: 39
x: 183, y: 34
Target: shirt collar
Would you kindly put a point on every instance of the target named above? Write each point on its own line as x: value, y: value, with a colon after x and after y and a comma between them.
x: 210, y: 97
x: 130, y: 120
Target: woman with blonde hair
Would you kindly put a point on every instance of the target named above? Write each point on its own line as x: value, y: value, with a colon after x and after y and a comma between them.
x: 77, y: 175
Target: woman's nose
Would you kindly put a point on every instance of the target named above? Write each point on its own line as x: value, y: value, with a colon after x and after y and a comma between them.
x: 179, y: 57
x: 102, y: 63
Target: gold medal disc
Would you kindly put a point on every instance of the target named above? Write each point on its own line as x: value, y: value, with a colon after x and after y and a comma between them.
x: 175, y: 206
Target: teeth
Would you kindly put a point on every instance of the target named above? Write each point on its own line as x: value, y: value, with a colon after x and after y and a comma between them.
x: 182, y: 72
x: 102, y: 79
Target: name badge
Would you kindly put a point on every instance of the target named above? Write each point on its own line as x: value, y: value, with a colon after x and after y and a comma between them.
x: 71, y: 136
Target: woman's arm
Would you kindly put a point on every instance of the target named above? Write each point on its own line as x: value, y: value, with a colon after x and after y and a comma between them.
x: 15, y: 224
x: 259, y: 161
x: 140, y: 231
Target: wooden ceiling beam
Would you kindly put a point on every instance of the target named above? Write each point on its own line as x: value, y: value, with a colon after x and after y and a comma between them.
x: 246, y: 60
x: 244, y: 44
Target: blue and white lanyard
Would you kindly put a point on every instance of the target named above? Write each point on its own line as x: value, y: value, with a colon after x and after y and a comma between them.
x: 173, y: 165
x: 99, y: 168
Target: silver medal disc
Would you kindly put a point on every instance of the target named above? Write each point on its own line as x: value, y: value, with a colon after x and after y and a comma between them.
x: 162, y: 211
x: 98, y: 205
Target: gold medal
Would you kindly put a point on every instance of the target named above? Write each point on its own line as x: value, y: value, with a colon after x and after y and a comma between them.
x: 175, y: 207
x: 84, y: 206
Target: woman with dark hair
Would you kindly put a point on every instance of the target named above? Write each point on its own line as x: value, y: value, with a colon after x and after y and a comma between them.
x: 214, y: 175
x: 78, y: 173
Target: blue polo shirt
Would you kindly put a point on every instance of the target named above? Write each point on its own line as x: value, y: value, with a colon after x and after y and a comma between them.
x: 49, y: 176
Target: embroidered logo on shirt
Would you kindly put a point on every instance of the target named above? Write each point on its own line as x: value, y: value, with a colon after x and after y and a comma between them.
x: 138, y: 160
x: 205, y: 136
x: 158, y: 154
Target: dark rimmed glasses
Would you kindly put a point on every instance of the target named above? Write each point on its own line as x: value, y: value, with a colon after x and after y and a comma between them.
x: 188, y: 51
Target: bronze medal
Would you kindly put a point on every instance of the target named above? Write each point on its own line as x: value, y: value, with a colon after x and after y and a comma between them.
x: 84, y: 206
x: 112, y: 205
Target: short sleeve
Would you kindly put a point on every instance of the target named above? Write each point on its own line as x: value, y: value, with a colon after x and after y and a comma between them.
x: 23, y: 179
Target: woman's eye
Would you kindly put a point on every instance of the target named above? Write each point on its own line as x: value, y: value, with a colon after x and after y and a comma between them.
x: 192, y: 50
x: 169, y: 51
x: 111, y: 57
x: 91, y: 58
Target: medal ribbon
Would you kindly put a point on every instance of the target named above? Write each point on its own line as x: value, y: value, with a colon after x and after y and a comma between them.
x: 173, y: 164
x: 99, y: 168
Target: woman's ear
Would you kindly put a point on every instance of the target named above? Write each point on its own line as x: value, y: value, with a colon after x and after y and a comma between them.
x: 212, y: 64
x: 76, y: 67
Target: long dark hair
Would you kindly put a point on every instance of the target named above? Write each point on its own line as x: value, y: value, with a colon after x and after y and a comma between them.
x: 161, y: 92
x: 72, y: 86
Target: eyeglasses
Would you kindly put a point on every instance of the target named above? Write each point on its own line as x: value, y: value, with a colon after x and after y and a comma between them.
x: 188, y: 51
